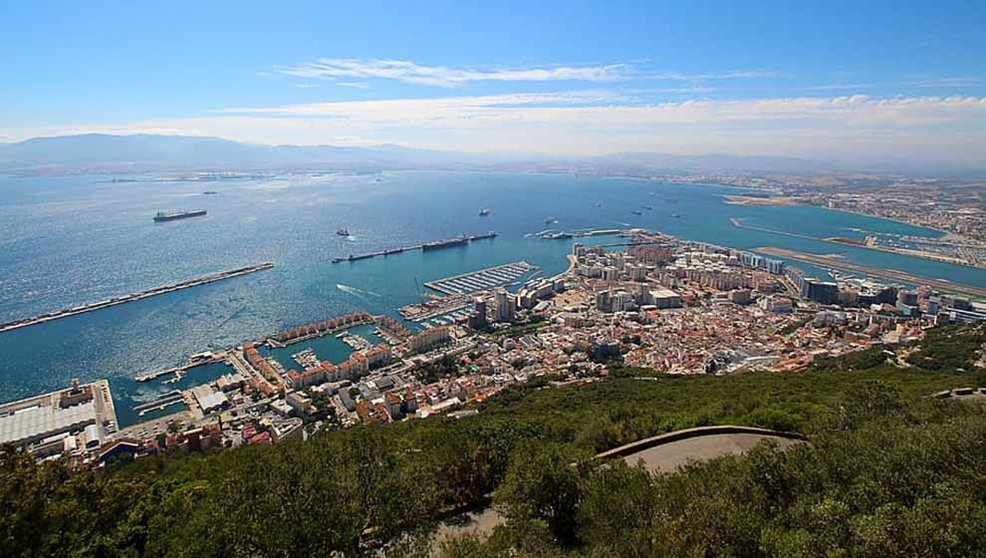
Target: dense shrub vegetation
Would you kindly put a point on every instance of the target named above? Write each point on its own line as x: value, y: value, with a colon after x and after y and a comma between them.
x: 889, y: 471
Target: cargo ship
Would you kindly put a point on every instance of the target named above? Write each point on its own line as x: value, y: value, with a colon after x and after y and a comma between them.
x: 448, y: 243
x: 174, y: 215
x: 490, y: 235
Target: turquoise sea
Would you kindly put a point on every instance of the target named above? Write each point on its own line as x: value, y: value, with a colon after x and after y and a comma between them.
x: 71, y: 240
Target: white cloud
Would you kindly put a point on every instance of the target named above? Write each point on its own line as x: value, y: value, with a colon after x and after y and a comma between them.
x: 443, y: 76
x: 951, y: 82
x: 353, y: 84
x: 597, y: 122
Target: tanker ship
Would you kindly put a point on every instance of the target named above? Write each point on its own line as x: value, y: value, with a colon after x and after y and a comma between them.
x: 174, y: 215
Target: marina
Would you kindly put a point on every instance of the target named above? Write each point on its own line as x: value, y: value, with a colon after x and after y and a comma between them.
x: 130, y: 298
x: 427, y: 246
x: 481, y: 280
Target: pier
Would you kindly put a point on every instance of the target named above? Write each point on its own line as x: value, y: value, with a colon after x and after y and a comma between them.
x: 179, y: 371
x: 563, y: 235
x: 25, y: 322
x: 433, y: 245
x: 162, y: 402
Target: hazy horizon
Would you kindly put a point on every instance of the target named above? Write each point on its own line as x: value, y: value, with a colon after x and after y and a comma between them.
x: 839, y: 82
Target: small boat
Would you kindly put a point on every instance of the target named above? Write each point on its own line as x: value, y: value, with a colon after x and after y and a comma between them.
x: 649, y: 208
x: 550, y: 221
x: 598, y: 204
x: 675, y: 215
x: 209, y: 193
x: 484, y: 212
x: 637, y: 212
x: 343, y: 232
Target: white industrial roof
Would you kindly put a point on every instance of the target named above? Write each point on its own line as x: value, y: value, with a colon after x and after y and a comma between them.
x: 45, y: 420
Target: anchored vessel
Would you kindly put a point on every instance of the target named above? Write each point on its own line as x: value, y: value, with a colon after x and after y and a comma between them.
x: 174, y: 215
x: 447, y: 243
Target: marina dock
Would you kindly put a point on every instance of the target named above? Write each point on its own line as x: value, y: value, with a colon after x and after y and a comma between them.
x: 25, y: 322
x: 162, y: 402
x: 179, y: 371
x: 482, y: 280
x: 433, y: 245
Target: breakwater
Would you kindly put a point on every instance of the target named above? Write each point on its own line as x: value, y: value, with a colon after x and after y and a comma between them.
x: 434, y: 245
x: 25, y: 322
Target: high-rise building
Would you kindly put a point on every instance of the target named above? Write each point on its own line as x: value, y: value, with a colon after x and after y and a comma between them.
x: 477, y: 320
x: 506, y: 305
x: 822, y: 292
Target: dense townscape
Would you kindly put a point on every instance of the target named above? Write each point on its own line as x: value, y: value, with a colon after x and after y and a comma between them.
x: 650, y: 305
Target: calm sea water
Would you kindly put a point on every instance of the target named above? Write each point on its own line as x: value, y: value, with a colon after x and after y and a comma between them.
x: 68, y: 241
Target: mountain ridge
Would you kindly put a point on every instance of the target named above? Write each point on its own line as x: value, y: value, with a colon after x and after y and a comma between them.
x: 113, y: 153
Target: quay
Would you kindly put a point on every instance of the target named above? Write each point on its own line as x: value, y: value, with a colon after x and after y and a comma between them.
x: 432, y: 308
x: 25, y: 322
x: 563, y: 235
x: 893, y: 274
x: 162, y: 402
x: 179, y: 371
x: 433, y: 245
x: 481, y: 280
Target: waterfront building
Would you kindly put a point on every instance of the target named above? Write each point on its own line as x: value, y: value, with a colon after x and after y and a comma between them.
x: 208, y: 399
x: 84, y: 413
x: 429, y: 338
x: 377, y: 356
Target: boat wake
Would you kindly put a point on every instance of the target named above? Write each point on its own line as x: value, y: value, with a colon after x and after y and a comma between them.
x: 354, y: 291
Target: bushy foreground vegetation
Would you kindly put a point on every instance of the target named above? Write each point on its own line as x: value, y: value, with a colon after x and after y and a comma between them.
x: 890, y: 471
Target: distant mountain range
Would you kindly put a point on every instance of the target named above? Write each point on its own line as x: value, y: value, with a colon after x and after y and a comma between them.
x: 109, y: 154
x: 114, y: 153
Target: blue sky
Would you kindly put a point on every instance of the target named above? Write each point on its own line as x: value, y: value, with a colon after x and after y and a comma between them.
x: 823, y: 79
